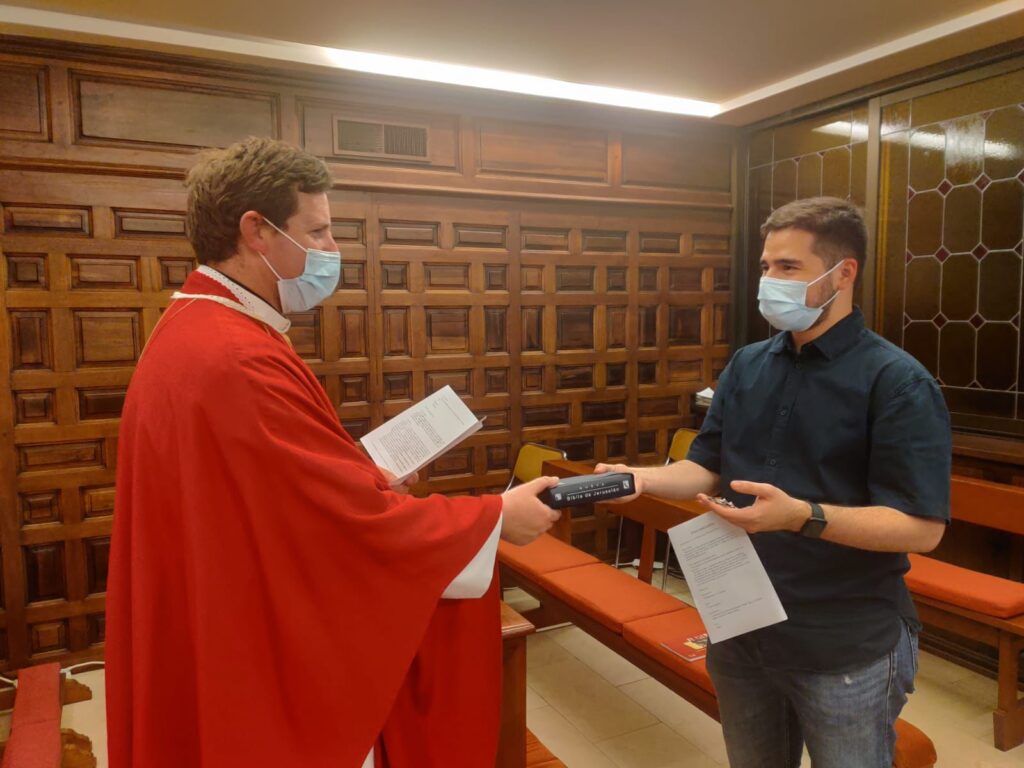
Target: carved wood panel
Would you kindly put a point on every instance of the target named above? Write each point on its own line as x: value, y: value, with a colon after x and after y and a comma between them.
x: 476, y: 265
x: 86, y: 265
x: 579, y: 326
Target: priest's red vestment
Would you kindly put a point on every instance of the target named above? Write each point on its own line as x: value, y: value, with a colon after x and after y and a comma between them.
x: 271, y: 601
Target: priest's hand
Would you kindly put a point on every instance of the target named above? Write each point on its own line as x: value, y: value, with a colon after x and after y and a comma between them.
x: 400, y: 487
x: 524, y: 517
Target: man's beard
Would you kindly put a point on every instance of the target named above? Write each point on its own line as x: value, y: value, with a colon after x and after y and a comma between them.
x: 826, y: 311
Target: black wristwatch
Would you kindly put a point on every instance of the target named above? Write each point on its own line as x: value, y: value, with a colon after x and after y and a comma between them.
x: 815, y: 525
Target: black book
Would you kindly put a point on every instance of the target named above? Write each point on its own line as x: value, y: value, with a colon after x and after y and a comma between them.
x: 586, y: 489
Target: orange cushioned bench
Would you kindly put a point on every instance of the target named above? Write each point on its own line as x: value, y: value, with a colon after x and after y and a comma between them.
x: 35, y: 725
x: 980, y: 606
x: 36, y: 739
x: 539, y: 756
x: 634, y: 619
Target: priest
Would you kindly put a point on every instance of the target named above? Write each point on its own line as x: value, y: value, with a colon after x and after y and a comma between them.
x: 276, y: 599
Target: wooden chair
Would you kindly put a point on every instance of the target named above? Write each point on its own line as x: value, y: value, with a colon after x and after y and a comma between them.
x: 681, y: 442
x: 530, y: 462
x: 529, y: 466
x: 680, y: 446
x: 682, y: 439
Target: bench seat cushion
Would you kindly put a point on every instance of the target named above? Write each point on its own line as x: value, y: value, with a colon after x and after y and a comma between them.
x: 913, y: 748
x: 607, y: 595
x: 35, y: 723
x: 544, y: 555
x: 965, y: 588
x: 648, y: 634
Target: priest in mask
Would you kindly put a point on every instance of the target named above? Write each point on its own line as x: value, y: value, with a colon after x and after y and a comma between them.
x: 274, y: 598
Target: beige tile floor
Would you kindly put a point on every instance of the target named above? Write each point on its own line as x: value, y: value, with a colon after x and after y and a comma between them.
x: 593, y: 709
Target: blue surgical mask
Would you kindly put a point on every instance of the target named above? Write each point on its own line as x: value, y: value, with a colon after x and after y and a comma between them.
x: 783, y: 303
x: 317, y: 281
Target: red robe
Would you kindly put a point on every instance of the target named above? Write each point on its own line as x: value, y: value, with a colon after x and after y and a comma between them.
x: 271, y: 602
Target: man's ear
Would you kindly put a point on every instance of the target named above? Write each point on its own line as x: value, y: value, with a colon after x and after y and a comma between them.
x: 848, y: 272
x: 251, y: 232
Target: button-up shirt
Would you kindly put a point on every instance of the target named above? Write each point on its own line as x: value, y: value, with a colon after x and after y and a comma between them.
x: 850, y: 420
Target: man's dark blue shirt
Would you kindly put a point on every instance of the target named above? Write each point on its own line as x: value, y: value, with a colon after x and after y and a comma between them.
x: 850, y: 420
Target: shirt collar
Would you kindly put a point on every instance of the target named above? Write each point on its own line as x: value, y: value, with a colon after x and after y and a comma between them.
x: 257, y: 306
x: 836, y: 340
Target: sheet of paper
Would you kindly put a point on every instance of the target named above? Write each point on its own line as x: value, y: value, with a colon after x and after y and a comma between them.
x: 729, y: 584
x: 706, y: 394
x: 421, y: 433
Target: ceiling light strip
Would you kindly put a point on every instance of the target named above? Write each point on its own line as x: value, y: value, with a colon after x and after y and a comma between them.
x: 372, y: 63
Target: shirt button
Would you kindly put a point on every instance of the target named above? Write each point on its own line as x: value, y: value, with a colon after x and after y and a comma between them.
x: 771, y: 462
x: 783, y: 411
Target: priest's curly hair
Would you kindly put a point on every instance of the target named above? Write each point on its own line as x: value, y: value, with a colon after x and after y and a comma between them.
x: 257, y: 174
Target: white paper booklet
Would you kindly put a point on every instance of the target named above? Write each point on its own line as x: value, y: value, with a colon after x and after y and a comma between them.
x: 729, y: 584
x: 421, y: 433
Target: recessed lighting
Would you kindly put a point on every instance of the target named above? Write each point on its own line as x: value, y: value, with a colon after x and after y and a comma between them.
x: 515, y: 82
x: 373, y: 63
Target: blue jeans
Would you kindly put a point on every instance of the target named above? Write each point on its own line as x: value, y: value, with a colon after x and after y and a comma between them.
x: 845, y: 718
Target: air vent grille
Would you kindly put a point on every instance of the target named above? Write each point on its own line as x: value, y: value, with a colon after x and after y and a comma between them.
x: 385, y: 140
x: 405, y: 140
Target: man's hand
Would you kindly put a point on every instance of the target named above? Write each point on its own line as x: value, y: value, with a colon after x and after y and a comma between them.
x: 523, y: 516
x: 401, y: 487
x: 772, y: 510
x: 638, y: 483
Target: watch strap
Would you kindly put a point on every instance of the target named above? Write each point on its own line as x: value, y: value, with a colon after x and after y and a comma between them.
x: 815, y: 524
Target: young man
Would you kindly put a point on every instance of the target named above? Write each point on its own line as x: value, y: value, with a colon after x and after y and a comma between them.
x: 835, y: 447
x: 273, y: 600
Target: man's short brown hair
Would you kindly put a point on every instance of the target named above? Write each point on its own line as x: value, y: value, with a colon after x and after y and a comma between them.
x: 261, y: 175
x: 837, y: 225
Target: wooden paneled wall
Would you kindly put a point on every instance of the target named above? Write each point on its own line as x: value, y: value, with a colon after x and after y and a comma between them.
x: 566, y: 270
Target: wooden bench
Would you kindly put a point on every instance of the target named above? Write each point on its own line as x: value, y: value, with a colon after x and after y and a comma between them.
x: 630, y: 616
x: 539, y: 756
x: 633, y: 619
x: 36, y: 739
x: 978, y: 606
x: 985, y: 608
x: 517, y: 747
x: 513, y: 741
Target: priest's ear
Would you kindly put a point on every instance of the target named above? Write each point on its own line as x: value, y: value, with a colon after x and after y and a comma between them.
x: 252, y: 232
